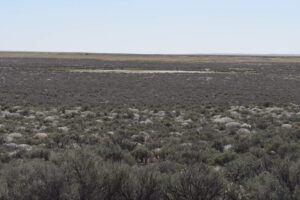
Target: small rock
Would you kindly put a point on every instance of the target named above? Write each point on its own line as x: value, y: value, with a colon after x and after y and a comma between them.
x: 186, y: 122
x: 272, y: 152
x: 87, y: 113
x: 157, y: 150
x: 15, y: 135
x: 54, y: 110
x: 223, y: 120
x: 110, y: 133
x: 9, y: 114
x: 199, y: 129
x: 147, y: 121
x: 19, y: 111
x: 232, y: 125
x: 25, y: 147
x: 243, y: 131
x: 63, y: 129
x: 133, y: 110
x: 248, y: 126
x: 99, y: 120
x: 138, y: 144
x: 235, y: 114
x: 187, y: 144
x: 13, y: 153
x: 39, y: 113
x: 71, y: 111
x: 227, y: 147
x: 50, y: 118
x: 16, y: 107
x: 136, y: 116
x: 273, y: 109
x: 10, y: 137
x: 161, y: 113
x: 18, y: 146
x: 255, y: 111
x: 217, y: 168
x: 180, y: 118
x: 19, y: 128
x: 286, y: 126
x: 10, y: 145
x: 41, y: 135
x: 286, y: 114
x: 134, y: 136
x: 30, y: 117
x: 75, y: 146
x: 43, y: 128
x: 176, y: 133
x: 86, y: 130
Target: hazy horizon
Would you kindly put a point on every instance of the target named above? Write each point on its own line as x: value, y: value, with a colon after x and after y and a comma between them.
x: 157, y: 27
x: 171, y: 54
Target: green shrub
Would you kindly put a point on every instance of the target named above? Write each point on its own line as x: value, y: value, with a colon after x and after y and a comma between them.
x: 223, y: 158
x: 242, y: 168
x: 141, y: 154
x: 266, y: 187
x: 242, y: 146
x: 199, y: 183
x: 218, y: 146
x: 192, y: 157
x: 81, y: 169
x: 33, y: 180
x: 143, y: 184
x: 40, y: 153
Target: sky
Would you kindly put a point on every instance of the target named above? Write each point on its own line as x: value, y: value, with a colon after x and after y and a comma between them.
x: 151, y: 26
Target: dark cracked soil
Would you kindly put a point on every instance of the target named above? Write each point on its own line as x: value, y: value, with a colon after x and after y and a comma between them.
x: 37, y: 81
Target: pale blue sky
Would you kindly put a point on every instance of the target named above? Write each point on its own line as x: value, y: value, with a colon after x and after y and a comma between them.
x: 151, y: 26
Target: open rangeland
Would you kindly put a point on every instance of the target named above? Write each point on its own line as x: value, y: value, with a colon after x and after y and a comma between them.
x: 59, y: 79
x: 148, y: 127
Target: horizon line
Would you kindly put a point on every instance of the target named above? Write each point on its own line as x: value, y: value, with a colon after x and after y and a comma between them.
x: 157, y: 54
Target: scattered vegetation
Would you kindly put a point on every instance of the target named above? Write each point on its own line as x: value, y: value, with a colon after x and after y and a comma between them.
x: 142, y: 153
